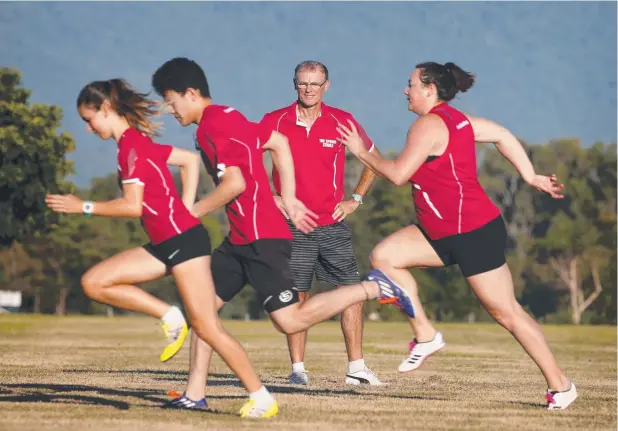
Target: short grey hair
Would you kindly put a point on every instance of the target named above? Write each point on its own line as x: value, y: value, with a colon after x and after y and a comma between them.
x: 311, y: 65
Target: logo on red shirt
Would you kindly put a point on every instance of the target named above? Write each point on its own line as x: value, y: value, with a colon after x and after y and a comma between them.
x: 328, y: 143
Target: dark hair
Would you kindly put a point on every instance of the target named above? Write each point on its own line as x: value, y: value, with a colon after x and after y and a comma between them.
x: 179, y: 74
x: 448, y: 78
x: 129, y: 103
x: 311, y: 65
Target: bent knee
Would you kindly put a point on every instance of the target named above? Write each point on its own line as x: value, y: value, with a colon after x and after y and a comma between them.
x: 379, y: 258
x: 507, y: 315
x: 207, y: 331
x: 288, y: 324
x: 278, y: 327
x: 93, y: 285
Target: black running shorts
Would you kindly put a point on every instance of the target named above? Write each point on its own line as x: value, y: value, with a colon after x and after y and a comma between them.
x: 475, y: 252
x: 190, y: 244
x: 264, y: 264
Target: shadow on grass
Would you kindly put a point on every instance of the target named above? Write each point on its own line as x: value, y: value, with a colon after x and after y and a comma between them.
x: 66, y: 394
x: 128, y: 372
x: 528, y: 404
x: 228, y: 379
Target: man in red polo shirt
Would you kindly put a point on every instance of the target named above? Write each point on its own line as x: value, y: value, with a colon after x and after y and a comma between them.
x: 319, y: 161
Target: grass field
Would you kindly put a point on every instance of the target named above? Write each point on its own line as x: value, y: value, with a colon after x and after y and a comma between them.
x: 82, y: 373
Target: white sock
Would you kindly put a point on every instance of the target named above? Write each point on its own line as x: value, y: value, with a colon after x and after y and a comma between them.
x: 262, y: 397
x: 356, y: 366
x: 173, y: 317
x: 298, y: 367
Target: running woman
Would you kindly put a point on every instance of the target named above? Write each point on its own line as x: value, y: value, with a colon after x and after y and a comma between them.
x: 258, y: 248
x: 458, y: 223
x: 179, y: 243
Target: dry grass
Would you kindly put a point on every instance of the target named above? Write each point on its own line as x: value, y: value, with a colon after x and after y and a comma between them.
x: 80, y: 373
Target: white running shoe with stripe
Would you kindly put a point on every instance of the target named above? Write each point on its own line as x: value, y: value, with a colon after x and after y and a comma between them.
x: 561, y: 400
x: 363, y: 377
x: 419, y: 352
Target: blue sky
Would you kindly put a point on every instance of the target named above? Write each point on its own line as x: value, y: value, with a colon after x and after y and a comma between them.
x: 544, y: 70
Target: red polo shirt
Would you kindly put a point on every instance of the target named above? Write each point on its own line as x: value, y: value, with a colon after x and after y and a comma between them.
x: 319, y: 159
x: 144, y: 162
x: 226, y: 138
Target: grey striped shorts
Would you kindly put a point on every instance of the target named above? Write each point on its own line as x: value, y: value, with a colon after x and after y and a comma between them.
x: 327, y: 252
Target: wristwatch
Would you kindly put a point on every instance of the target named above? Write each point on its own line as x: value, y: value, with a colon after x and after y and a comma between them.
x: 87, y: 208
x: 358, y: 198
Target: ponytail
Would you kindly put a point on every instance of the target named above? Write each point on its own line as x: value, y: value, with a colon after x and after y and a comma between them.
x: 448, y: 78
x: 463, y: 80
x: 133, y: 106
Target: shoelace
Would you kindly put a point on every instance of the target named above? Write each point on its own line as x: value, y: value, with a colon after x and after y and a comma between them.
x: 172, y: 334
x: 371, y: 373
x: 298, y: 376
x: 256, y: 412
x: 550, y: 398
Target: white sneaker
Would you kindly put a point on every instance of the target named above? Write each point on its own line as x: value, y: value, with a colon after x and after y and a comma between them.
x: 420, y: 351
x: 361, y: 377
x: 561, y: 400
x: 299, y: 378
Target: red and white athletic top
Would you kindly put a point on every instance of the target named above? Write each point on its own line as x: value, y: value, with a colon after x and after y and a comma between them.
x: 144, y: 162
x: 448, y: 197
x: 319, y: 159
x: 226, y: 138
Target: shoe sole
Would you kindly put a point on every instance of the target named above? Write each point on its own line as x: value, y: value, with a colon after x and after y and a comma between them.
x: 565, y: 407
x: 394, y: 299
x: 270, y: 413
x: 424, y: 359
x: 354, y: 382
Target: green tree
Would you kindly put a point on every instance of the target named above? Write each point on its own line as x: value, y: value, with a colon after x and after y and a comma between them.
x: 32, y: 159
x: 576, y: 235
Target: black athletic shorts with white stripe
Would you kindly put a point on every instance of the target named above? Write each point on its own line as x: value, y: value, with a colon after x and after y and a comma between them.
x: 185, y: 246
x: 327, y: 252
x: 264, y: 264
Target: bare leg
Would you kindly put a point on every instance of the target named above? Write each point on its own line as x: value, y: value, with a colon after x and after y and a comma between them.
x: 495, y: 291
x: 196, y: 288
x: 394, y: 255
x: 298, y: 341
x: 299, y: 317
x: 199, y: 363
x: 113, y: 280
x: 318, y: 308
x: 352, y: 328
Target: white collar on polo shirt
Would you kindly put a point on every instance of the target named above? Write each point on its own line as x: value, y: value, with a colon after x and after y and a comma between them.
x: 300, y: 122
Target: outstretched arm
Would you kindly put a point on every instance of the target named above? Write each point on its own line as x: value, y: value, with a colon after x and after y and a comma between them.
x: 486, y: 131
x: 129, y: 205
x: 422, y: 137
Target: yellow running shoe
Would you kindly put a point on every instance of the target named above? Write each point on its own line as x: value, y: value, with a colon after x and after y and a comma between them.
x: 176, y: 339
x: 249, y: 410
